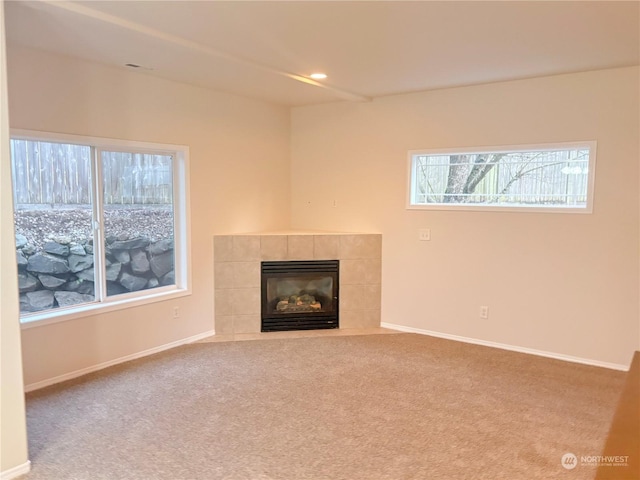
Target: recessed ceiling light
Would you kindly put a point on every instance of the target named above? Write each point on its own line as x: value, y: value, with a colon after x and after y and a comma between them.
x: 318, y: 76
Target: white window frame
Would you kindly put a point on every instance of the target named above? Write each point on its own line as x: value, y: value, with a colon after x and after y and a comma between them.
x: 591, y: 145
x: 182, y: 228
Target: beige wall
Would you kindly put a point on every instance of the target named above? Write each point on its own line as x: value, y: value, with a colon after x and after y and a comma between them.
x: 13, y: 435
x: 560, y: 283
x: 239, y: 150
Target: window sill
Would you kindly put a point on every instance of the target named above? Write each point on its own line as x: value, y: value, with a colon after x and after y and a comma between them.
x: 86, y: 310
x: 503, y: 208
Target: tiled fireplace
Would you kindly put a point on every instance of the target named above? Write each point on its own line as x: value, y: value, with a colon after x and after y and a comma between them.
x: 237, y: 274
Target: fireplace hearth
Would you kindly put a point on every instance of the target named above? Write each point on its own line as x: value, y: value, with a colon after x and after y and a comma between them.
x: 299, y: 295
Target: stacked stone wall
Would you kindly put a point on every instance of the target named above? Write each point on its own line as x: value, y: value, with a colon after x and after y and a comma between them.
x: 61, y: 272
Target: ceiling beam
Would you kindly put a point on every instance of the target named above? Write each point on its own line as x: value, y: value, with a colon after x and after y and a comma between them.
x: 198, y: 47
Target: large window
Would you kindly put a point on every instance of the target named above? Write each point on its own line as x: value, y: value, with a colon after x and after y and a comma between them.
x: 99, y: 223
x: 550, y: 177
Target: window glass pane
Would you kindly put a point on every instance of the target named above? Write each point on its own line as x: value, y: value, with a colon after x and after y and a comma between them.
x: 542, y: 178
x: 138, y: 221
x: 56, y: 185
x: 53, y: 218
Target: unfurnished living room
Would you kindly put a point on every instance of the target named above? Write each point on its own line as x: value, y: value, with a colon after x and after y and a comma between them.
x: 323, y: 240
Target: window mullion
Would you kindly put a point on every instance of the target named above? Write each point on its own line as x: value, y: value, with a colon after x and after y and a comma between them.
x: 98, y: 226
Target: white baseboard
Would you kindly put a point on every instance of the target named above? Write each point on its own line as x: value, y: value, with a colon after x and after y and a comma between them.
x: 83, y: 371
x: 15, y: 472
x: 504, y: 346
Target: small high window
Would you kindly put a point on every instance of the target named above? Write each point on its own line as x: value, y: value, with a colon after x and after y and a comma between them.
x: 556, y: 177
x: 98, y: 222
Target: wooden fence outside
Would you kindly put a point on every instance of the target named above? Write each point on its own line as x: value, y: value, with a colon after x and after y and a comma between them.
x: 60, y: 174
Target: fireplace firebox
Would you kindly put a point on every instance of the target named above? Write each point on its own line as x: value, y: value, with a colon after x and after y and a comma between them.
x: 299, y: 295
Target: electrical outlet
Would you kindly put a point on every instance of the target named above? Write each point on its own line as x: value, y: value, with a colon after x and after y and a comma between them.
x: 424, y: 234
x: 176, y: 312
x: 484, y: 312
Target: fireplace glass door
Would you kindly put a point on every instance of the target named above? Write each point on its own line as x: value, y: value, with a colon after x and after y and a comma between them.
x: 299, y: 295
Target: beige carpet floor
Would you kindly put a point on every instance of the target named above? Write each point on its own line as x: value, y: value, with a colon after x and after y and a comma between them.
x: 368, y: 407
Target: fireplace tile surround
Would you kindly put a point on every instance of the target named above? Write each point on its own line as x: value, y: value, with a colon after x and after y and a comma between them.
x: 237, y: 274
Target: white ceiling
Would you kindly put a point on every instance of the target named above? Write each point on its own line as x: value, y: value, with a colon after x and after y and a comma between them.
x: 263, y: 49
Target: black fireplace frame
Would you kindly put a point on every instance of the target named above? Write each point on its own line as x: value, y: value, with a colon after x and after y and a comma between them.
x: 273, y: 321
